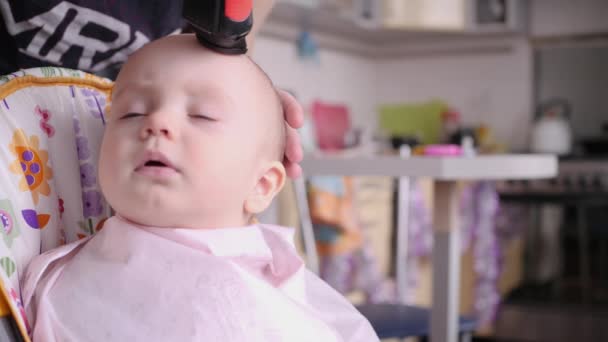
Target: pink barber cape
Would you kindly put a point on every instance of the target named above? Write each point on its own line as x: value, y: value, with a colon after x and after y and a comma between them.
x: 135, y: 283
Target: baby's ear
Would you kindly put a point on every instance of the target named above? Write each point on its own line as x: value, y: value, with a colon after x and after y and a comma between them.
x: 266, y: 187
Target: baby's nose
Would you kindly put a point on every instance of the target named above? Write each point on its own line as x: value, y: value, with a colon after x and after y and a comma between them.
x: 158, y: 124
x: 157, y: 131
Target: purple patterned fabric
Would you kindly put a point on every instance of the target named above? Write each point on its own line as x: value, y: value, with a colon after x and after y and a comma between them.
x: 96, y: 103
x: 82, y: 147
x: 420, y: 238
x: 479, y: 214
x: 92, y: 203
x: 87, y: 175
x: 479, y: 209
x: 92, y: 200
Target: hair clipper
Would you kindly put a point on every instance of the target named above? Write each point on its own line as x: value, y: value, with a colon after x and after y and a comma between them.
x: 220, y: 25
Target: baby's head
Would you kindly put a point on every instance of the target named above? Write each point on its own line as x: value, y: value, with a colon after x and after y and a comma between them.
x: 193, y: 139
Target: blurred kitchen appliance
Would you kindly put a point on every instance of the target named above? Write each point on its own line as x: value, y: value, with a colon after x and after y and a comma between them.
x: 551, y: 132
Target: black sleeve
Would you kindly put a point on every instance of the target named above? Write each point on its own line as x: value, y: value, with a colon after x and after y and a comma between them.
x: 90, y: 35
x: 8, y: 52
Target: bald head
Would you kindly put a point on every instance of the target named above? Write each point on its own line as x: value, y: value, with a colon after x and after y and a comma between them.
x: 233, y: 82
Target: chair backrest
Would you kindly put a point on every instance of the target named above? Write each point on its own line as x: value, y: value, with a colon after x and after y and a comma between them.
x: 308, y: 236
x: 51, y: 125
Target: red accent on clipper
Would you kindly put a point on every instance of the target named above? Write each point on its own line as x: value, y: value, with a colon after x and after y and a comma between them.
x: 238, y: 10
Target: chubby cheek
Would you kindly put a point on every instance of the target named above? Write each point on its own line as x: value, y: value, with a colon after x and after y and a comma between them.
x: 106, y: 166
x: 219, y: 174
x: 111, y: 158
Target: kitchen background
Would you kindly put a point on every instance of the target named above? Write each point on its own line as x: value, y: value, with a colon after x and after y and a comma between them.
x: 489, y: 77
x: 497, y: 71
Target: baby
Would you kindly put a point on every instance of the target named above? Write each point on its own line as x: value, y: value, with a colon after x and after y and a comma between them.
x: 190, y: 155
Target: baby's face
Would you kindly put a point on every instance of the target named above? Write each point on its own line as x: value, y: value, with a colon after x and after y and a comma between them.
x: 187, y: 142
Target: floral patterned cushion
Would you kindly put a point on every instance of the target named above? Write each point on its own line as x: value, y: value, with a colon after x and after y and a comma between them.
x: 51, y: 124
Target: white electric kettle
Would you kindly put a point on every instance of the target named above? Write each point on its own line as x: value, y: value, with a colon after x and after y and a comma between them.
x: 552, y: 132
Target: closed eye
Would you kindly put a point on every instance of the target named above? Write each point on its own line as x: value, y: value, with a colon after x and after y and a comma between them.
x: 131, y: 115
x: 202, y: 117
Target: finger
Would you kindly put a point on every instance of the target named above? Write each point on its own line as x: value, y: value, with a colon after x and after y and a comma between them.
x: 293, y: 147
x: 294, y: 114
x: 293, y: 170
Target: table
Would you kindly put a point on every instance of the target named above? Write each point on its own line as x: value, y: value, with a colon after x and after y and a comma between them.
x: 446, y: 171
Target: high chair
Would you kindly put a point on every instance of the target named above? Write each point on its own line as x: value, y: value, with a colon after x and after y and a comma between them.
x: 51, y: 125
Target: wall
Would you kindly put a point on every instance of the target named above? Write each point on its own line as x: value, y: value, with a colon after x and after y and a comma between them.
x: 564, y: 17
x: 339, y: 77
x: 490, y: 88
x: 493, y: 88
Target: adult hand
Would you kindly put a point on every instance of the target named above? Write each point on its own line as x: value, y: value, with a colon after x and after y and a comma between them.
x: 294, y: 117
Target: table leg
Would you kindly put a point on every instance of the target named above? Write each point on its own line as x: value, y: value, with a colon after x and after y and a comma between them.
x: 446, y: 263
x: 403, y: 217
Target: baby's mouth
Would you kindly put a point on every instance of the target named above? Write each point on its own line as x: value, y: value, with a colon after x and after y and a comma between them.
x: 155, y: 162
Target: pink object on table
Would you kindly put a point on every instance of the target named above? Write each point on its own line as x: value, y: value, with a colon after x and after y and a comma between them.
x: 331, y: 122
x: 442, y: 150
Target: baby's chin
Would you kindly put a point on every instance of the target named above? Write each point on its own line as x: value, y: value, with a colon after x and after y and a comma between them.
x: 159, y: 219
x: 150, y: 216
x: 143, y: 220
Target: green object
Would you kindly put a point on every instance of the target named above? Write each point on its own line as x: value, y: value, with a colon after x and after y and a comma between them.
x: 420, y: 120
x: 48, y: 71
x: 8, y: 265
x: 9, y: 226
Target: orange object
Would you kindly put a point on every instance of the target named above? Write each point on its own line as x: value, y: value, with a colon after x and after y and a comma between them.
x: 336, y: 211
x: 5, y: 310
